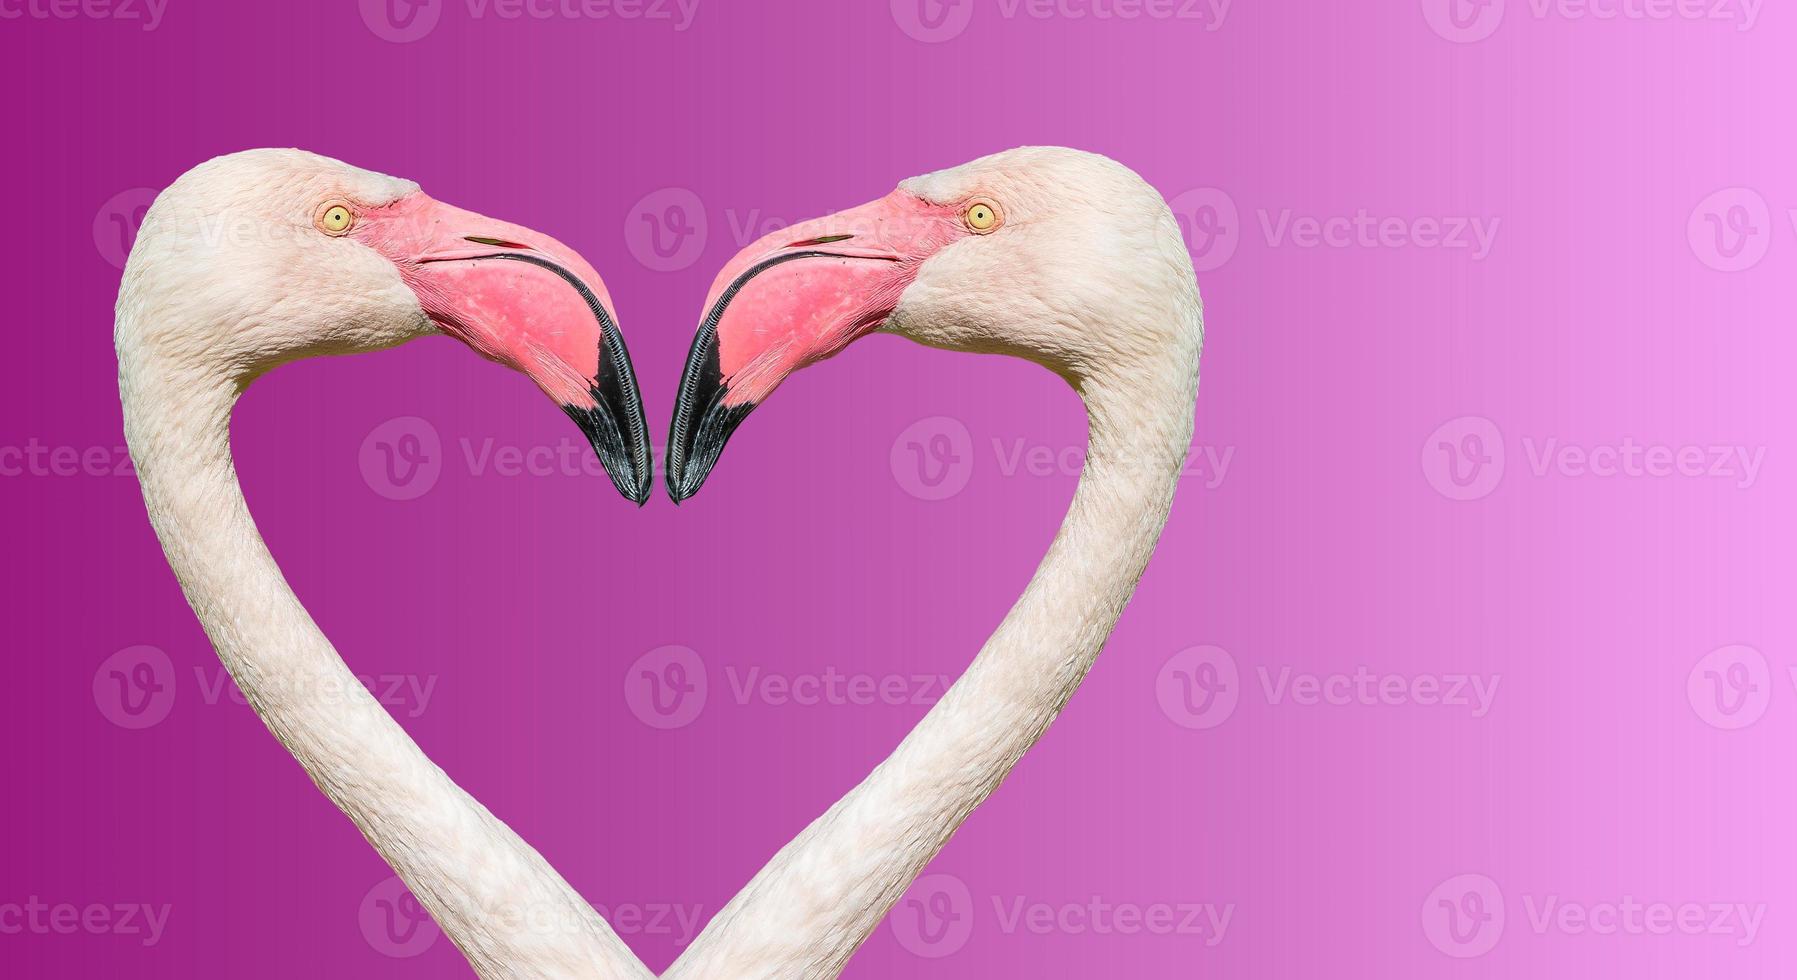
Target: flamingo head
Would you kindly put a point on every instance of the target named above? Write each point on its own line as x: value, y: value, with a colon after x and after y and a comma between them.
x: 266, y: 256
x: 1059, y: 256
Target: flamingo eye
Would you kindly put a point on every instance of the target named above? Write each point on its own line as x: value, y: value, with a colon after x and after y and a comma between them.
x: 981, y: 216
x: 336, y: 219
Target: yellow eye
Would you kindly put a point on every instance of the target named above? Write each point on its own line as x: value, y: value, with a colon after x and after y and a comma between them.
x: 336, y: 219
x: 981, y: 216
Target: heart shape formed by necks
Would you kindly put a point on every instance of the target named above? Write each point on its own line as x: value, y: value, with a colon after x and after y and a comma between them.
x: 1061, y: 257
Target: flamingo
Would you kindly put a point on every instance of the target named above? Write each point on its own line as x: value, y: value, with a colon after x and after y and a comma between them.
x: 1062, y: 257
x: 267, y: 256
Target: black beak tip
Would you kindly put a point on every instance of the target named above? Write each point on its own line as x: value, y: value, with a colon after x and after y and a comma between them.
x: 618, y: 450
x: 700, y: 443
x: 639, y: 491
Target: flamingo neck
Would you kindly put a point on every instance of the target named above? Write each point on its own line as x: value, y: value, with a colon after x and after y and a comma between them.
x: 487, y: 889
x: 808, y: 910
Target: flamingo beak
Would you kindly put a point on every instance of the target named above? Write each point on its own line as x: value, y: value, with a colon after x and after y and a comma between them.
x: 794, y: 298
x: 529, y: 302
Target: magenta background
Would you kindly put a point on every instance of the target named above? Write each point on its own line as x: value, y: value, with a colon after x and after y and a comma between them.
x: 1324, y: 548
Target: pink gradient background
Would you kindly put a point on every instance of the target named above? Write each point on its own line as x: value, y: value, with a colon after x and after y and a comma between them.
x: 1326, y: 547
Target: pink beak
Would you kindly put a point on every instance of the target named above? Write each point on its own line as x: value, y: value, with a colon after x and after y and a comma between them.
x: 792, y: 299
x: 529, y: 302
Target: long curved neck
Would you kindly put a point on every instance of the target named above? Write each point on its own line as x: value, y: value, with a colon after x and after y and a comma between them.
x: 493, y: 895
x: 808, y: 910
